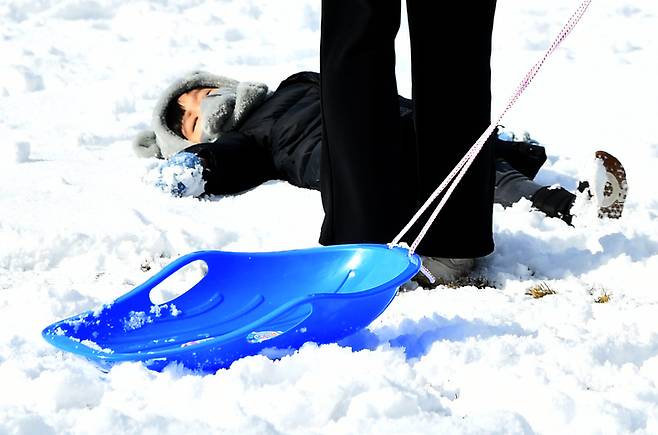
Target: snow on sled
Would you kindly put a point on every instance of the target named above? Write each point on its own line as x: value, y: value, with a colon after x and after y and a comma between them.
x: 246, y: 304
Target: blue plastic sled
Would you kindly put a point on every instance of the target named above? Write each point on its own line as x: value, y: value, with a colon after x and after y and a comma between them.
x: 246, y: 303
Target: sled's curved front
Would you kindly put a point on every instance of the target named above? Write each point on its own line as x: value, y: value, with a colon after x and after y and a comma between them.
x: 247, y: 302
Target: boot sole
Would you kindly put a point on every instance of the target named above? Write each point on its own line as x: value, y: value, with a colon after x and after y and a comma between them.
x: 616, y: 186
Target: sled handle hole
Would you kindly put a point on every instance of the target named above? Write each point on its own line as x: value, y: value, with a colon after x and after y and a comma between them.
x: 179, y: 282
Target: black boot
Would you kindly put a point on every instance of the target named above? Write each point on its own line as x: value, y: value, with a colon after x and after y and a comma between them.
x: 525, y: 154
x: 554, y: 202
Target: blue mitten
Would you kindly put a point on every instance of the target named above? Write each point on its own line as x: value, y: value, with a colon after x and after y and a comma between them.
x: 181, y: 175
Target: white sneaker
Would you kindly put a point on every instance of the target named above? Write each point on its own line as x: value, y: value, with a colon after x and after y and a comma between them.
x: 448, y: 269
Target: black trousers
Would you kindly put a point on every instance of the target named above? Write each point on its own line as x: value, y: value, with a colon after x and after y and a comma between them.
x: 371, y: 184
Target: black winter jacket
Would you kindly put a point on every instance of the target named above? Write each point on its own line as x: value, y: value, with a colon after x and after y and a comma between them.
x: 279, y: 140
x: 282, y: 140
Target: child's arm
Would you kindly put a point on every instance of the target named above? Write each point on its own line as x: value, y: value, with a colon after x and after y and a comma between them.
x: 233, y: 163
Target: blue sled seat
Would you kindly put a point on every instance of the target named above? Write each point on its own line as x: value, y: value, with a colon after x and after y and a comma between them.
x: 245, y: 304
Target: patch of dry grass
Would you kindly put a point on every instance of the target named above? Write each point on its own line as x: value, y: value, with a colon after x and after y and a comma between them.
x: 603, y: 298
x: 540, y: 290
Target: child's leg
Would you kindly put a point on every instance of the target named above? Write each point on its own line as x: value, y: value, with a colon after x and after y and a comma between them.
x: 512, y: 185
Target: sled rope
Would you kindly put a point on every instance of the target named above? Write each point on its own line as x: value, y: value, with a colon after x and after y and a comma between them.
x: 455, y: 176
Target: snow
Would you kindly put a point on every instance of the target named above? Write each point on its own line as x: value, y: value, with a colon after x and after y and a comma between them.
x: 135, y: 320
x: 95, y: 346
x: 174, y: 178
x: 21, y: 152
x: 80, y: 227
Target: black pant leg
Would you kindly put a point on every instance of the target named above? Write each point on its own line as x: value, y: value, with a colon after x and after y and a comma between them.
x: 365, y: 193
x: 451, y: 50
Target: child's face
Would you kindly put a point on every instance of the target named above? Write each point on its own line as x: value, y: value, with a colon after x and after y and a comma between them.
x: 190, y: 101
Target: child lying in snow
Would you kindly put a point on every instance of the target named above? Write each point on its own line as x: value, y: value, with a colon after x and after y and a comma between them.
x: 222, y: 136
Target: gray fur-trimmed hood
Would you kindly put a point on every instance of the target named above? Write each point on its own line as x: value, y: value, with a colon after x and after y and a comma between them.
x: 222, y: 110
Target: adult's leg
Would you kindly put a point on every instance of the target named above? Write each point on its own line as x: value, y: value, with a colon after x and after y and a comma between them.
x: 365, y: 196
x: 452, y: 109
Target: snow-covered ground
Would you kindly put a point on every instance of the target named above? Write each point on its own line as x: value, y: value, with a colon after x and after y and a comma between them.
x: 78, y: 225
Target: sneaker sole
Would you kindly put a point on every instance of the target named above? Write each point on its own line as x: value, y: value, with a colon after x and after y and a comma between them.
x: 616, y: 186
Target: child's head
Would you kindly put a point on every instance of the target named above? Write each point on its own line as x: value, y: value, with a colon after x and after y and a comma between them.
x: 173, y: 121
x: 183, y: 114
x: 199, y: 107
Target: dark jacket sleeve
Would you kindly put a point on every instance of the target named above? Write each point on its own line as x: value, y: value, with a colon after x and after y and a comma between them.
x: 234, y: 163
